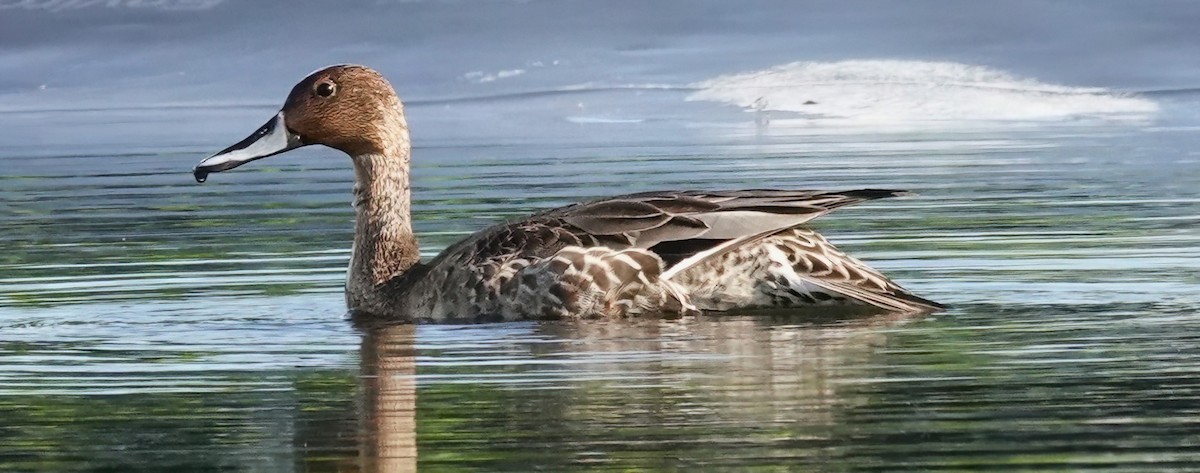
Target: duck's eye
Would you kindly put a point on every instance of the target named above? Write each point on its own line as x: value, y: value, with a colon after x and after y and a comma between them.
x: 326, y: 89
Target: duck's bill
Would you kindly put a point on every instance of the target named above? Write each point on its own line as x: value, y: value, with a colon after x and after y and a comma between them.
x: 270, y: 139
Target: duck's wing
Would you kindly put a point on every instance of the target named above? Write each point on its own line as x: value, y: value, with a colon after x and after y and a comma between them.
x: 748, y: 250
x: 674, y: 225
x: 648, y: 219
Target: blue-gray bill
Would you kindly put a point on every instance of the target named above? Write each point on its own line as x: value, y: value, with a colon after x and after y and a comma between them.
x: 270, y: 139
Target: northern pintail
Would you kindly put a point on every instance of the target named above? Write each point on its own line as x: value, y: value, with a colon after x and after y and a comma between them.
x: 670, y: 252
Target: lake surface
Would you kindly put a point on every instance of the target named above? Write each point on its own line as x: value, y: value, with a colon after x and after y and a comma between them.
x: 148, y: 323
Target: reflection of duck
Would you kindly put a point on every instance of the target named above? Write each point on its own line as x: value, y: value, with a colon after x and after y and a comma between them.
x: 672, y: 252
x: 770, y: 361
x: 682, y: 392
x: 388, y: 422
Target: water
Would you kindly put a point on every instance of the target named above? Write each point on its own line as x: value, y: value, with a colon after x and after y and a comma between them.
x: 148, y: 323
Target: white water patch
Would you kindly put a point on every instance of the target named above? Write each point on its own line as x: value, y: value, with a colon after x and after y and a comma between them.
x: 896, y: 91
x: 480, y: 77
x: 584, y: 120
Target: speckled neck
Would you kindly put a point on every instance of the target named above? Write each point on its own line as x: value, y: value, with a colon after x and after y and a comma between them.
x: 384, y: 244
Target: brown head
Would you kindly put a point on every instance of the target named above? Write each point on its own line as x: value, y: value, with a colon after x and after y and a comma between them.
x: 347, y: 107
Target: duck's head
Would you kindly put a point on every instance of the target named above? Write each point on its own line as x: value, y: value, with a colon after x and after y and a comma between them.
x: 348, y: 107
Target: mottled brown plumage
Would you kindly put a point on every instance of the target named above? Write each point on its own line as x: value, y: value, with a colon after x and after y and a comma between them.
x: 674, y: 252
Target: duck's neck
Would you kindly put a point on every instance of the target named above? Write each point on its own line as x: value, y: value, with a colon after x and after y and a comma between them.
x: 384, y: 244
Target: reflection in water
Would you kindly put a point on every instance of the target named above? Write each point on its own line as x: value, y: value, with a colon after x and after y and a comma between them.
x: 879, y: 393
x: 387, y: 385
x: 729, y: 391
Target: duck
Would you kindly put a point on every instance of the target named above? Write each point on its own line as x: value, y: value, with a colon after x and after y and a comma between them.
x: 664, y: 253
